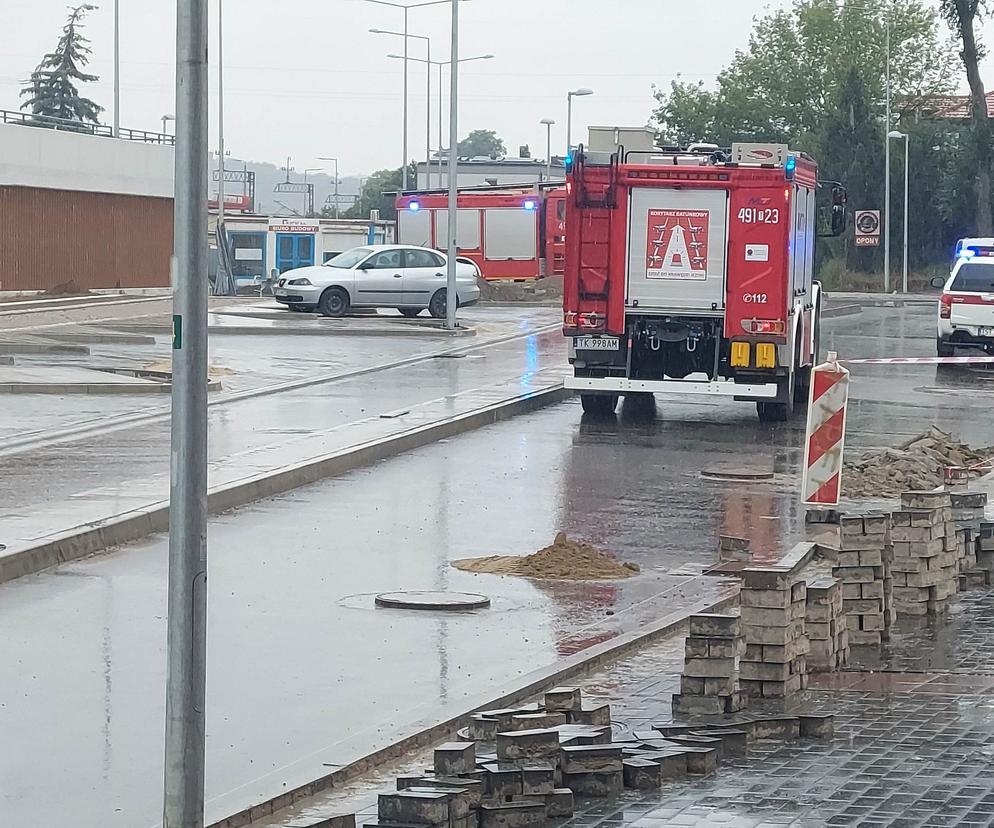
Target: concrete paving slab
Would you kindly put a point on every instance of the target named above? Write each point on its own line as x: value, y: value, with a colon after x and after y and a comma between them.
x: 21, y: 379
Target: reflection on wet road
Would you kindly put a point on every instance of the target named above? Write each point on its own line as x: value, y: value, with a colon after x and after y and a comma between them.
x: 304, y: 671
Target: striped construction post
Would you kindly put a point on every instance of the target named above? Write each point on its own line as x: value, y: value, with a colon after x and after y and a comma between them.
x: 825, y: 436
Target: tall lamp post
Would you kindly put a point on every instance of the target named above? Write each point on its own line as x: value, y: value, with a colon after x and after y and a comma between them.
x: 549, y: 123
x: 186, y: 639
x: 451, y: 249
x: 887, y: 150
x: 406, y: 7
x: 891, y: 136
x: 117, y: 68
x: 441, y: 64
x: 335, y: 162
x: 428, y: 63
x: 576, y: 93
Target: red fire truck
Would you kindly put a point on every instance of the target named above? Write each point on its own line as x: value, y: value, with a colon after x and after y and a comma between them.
x: 690, y: 272
x: 509, y: 232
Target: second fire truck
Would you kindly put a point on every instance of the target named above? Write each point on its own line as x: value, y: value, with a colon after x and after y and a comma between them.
x: 691, y: 272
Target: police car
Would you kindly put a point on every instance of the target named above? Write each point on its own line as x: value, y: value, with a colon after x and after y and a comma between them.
x: 966, y: 307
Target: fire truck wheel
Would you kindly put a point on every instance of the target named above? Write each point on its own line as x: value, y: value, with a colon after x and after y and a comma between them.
x: 436, y: 307
x: 334, y: 302
x: 779, y: 412
x: 599, y: 405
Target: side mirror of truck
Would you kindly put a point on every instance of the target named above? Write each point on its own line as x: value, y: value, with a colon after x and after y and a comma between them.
x: 938, y: 282
x: 840, y: 215
x: 834, y: 218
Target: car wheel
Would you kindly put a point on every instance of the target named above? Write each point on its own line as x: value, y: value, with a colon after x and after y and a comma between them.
x: 410, y: 313
x: 944, y: 349
x: 436, y: 307
x: 334, y: 302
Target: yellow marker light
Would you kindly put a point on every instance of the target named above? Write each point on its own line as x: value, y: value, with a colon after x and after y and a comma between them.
x: 740, y: 354
x: 766, y: 355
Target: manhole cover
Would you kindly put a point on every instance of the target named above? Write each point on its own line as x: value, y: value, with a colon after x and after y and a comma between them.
x: 429, y: 600
x: 737, y: 474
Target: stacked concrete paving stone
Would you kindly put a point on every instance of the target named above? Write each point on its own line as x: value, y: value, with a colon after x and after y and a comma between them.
x: 985, y: 551
x: 968, y: 510
x: 773, y: 611
x: 864, y: 570
x: 825, y: 626
x: 533, y: 774
x: 709, y: 684
x: 926, y: 553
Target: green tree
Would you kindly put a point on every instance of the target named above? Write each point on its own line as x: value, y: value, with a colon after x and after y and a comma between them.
x: 962, y: 15
x: 852, y: 152
x: 378, y: 193
x: 782, y: 85
x: 52, y: 88
x: 481, y: 142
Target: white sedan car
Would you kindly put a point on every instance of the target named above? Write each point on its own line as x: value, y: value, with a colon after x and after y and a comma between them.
x: 378, y: 276
x: 966, y: 307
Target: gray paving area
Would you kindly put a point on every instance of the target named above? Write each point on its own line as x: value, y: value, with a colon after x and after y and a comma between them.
x: 304, y: 673
x: 910, y: 750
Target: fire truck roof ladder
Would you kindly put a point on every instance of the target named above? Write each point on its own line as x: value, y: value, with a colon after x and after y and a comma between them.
x: 605, y: 198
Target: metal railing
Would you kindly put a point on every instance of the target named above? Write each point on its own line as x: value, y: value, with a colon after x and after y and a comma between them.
x: 65, y: 125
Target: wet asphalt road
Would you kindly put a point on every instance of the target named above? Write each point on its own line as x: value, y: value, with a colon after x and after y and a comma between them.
x: 305, y: 673
x: 90, y: 472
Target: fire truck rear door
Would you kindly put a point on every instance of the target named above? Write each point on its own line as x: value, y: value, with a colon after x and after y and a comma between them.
x: 677, y: 249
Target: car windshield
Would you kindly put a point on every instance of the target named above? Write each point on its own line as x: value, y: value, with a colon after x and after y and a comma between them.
x: 350, y: 258
x: 975, y: 277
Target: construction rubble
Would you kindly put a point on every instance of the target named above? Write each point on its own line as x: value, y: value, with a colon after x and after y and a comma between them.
x: 917, y: 465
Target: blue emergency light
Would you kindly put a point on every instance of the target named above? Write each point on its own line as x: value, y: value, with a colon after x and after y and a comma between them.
x: 789, y: 167
x: 530, y: 205
x: 414, y: 206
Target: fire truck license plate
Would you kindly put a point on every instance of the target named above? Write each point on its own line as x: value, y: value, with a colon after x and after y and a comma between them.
x: 596, y: 343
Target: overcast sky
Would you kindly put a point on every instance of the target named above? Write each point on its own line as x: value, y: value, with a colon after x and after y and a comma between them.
x: 306, y: 78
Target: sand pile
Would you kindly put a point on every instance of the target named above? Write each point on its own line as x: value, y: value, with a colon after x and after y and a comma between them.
x: 565, y: 559
x: 916, y: 465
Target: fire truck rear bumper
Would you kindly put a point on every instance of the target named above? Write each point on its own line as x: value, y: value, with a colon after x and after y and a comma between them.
x: 622, y: 385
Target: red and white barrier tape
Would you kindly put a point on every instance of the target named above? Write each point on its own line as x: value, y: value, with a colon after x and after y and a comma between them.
x: 921, y: 361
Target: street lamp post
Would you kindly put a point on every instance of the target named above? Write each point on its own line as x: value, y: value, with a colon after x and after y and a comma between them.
x: 117, y: 68
x: 335, y: 161
x: 186, y: 640
x: 450, y: 274
x: 583, y: 90
x: 406, y: 8
x: 887, y: 151
x: 895, y: 135
x: 428, y: 63
x: 441, y: 64
x: 549, y: 123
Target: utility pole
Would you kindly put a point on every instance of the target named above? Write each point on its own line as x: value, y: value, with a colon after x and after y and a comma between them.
x: 186, y: 643
x: 222, y: 234
x: 450, y: 280
x: 117, y: 69
x: 887, y: 150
